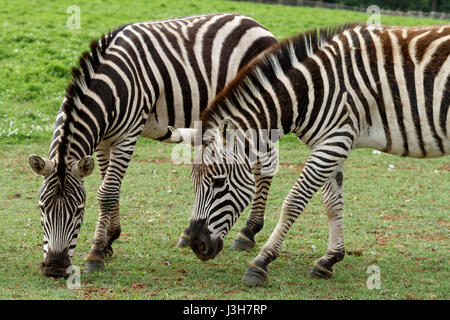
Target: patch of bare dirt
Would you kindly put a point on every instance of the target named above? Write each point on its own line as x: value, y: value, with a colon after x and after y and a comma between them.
x: 157, y: 160
x: 292, y: 165
x: 138, y: 285
x: 443, y: 223
x: 356, y: 252
x: 88, y: 292
x: 382, y: 238
x: 429, y: 237
x: 392, y: 217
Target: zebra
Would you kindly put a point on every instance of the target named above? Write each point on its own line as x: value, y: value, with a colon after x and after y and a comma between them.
x: 138, y: 80
x: 337, y: 89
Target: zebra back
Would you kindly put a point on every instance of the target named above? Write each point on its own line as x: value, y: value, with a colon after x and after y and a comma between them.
x: 144, y: 77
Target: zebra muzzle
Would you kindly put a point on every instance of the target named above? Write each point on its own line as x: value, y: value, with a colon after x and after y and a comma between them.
x: 202, y: 244
x: 207, y: 251
x: 56, y: 265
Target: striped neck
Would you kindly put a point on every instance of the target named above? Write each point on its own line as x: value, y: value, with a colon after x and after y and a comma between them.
x: 84, y: 116
x: 261, y: 97
x: 80, y: 126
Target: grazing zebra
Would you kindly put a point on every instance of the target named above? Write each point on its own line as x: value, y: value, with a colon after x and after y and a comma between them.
x: 136, y: 81
x: 353, y: 86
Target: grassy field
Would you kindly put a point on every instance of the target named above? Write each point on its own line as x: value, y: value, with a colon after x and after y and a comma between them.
x: 396, y: 219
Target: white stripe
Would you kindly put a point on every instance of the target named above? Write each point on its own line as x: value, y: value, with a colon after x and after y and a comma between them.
x: 438, y: 90
x: 391, y: 116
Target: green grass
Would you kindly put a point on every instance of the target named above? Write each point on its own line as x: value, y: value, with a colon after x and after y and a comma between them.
x: 38, y: 49
x: 397, y: 219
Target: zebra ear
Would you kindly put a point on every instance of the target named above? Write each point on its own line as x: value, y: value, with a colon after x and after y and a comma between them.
x: 83, y: 167
x: 226, y: 125
x: 184, y: 135
x: 40, y: 165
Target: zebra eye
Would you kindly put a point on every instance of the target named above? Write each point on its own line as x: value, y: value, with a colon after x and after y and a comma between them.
x: 78, y: 212
x: 218, y: 182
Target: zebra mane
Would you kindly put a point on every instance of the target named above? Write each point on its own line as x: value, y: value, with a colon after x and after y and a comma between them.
x: 89, y: 62
x: 277, y: 56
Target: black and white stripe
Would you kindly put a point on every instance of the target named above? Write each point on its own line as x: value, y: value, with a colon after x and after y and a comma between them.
x: 338, y: 89
x: 137, y: 81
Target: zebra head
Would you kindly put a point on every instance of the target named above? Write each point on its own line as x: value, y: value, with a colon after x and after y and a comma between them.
x: 61, y: 202
x: 223, y: 177
x: 223, y: 185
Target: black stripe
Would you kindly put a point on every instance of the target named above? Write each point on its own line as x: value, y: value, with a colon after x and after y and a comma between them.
x: 444, y: 108
x: 379, y: 98
x: 428, y: 84
x: 408, y: 65
x: 257, y: 47
x: 208, y: 42
x: 395, y: 92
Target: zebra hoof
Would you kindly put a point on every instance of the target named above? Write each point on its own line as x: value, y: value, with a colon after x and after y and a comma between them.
x: 242, y: 243
x: 319, y: 272
x: 92, y: 266
x: 183, y: 242
x: 254, y: 277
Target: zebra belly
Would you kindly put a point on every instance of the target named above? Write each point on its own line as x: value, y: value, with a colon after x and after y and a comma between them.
x: 153, y: 129
x: 371, y: 138
x: 375, y: 138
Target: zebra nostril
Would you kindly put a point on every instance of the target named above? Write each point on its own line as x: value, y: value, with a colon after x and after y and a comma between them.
x: 200, y: 241
x: 203, y: 248
x: 200, y: 246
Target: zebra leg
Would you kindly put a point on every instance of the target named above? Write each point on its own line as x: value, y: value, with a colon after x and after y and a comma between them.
x: 114, y: 229
x: 183, y: 241
x: 108, y: 225
x: 255, y: 222
x: 333, y: 197
x: 103, y: 155
x: 313, y: 176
